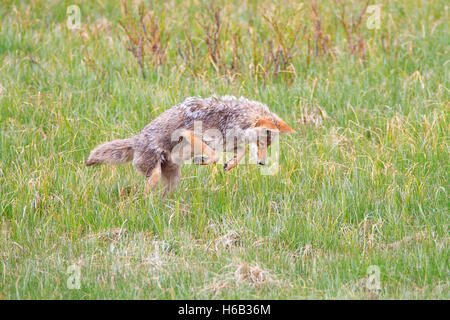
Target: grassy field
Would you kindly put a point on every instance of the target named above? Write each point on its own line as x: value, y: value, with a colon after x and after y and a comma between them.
x: 362, y: 186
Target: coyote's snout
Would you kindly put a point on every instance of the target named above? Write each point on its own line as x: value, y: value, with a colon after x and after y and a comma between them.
x: 226, y: 124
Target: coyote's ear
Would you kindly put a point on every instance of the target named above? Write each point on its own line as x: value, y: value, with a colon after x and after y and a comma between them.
x: 266, y: 124
x: 284, y: 127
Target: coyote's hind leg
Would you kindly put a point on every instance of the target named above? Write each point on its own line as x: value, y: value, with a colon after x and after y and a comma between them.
x: 149, y: 164
x: 202, y: 147
x: 171, y: 173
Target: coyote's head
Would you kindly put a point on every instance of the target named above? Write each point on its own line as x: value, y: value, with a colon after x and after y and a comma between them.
x: 267, y: 129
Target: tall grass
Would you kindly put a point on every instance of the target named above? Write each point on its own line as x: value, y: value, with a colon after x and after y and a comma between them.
x: 363, y: 183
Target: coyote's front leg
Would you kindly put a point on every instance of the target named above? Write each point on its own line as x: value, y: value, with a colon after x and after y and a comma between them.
x: 238, y: 155
x: 201, y: 147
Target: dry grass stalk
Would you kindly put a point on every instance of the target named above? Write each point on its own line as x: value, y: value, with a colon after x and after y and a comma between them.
x: 322, y: 39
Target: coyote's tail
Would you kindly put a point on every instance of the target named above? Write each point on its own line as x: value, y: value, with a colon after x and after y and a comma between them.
x: 114, y: 152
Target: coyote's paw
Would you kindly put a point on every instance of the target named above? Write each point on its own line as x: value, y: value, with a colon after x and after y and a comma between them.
x: 230, y: 164
x: 204, y: 160
x: 200, y: 160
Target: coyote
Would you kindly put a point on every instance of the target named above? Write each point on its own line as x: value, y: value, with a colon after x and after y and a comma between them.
x: 227, y: 124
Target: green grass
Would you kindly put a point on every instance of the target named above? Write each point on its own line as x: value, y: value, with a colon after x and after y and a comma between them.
x: 367, y: 187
